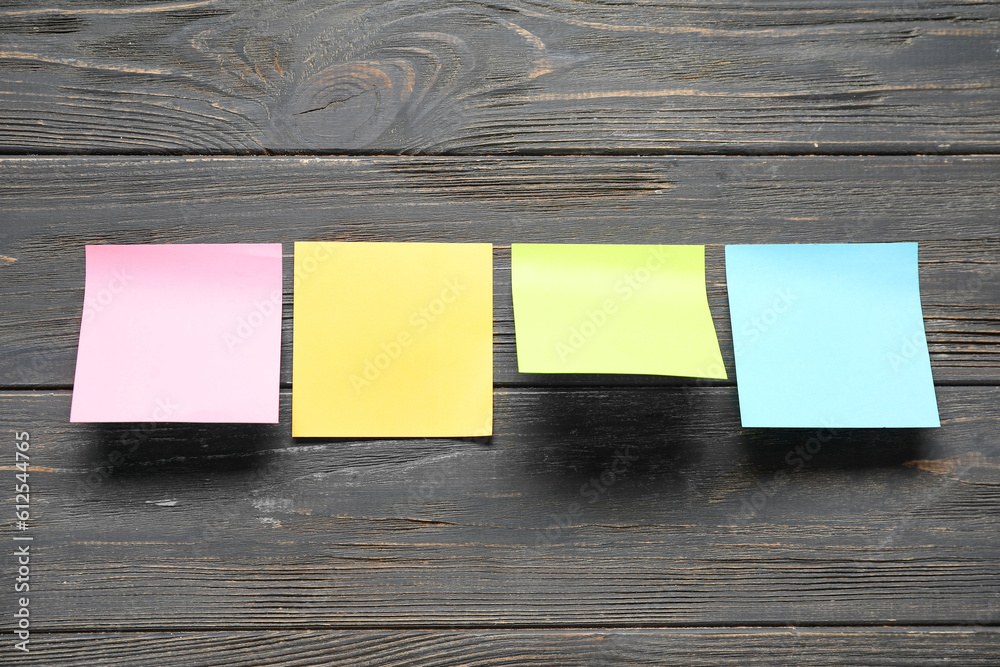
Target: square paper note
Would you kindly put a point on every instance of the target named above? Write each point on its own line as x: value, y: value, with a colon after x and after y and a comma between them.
x: 830, y: 336
x: 393, y: 340
x: 180, y: 333
x: 613, y: 309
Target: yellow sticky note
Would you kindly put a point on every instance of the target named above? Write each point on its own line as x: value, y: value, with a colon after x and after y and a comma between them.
x: 613, y: 309
x: 393, y: 340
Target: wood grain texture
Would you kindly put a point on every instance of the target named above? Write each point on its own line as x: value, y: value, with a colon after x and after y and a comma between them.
x: 588, y: 508
x: 611, y: 520
x: 53, y: 207
x: 660, y: 648
x: 520, y: 76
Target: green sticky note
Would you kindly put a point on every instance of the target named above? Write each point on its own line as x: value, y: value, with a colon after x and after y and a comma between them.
x: 637, y: 309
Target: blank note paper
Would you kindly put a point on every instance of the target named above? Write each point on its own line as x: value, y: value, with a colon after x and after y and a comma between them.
x: 180, y: 333
x: 613, y: 309
x: 830, y: 336
x: 393, y: 340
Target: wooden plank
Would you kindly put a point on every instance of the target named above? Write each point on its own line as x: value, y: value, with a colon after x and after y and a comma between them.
x: 588, y: 508
x: 519, y: 76
x: 711, y: 646
x: 52, y: 207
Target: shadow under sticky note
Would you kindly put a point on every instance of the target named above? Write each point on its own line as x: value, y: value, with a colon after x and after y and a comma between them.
x: 393, y: 340
x: 180, y: 333
x: 641, y: 309
x: 830, y: 336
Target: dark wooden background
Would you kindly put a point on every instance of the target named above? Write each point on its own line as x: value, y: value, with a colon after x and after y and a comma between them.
x: 532, y: 120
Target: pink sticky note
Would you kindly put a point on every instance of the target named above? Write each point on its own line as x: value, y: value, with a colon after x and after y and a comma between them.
x: 180, y: 333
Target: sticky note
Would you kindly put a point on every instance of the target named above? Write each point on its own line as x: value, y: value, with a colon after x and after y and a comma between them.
x: 393, y: 340
x: 613, y: 309
x: 830, y: 336
x: 180, y: 333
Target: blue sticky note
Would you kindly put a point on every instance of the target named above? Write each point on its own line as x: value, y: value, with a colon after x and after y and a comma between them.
x: 830, y: 336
